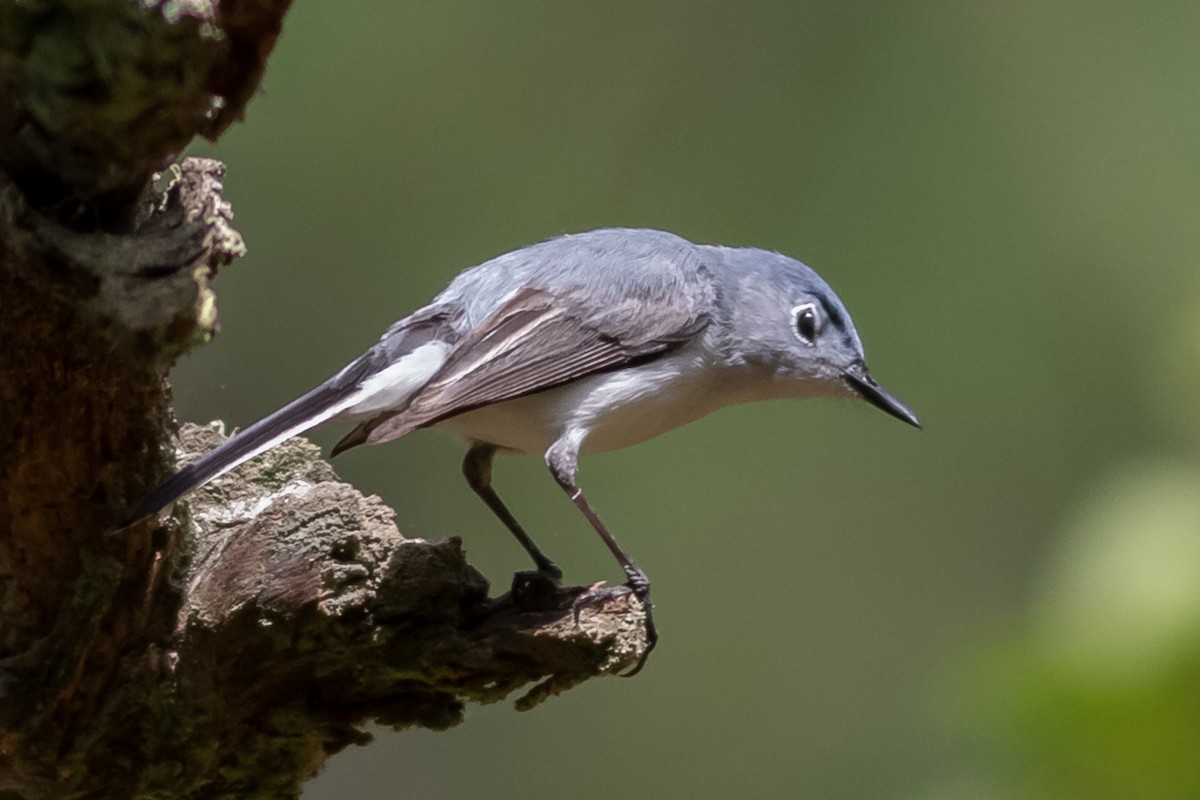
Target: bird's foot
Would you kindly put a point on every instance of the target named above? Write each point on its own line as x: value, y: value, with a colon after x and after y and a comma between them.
x: 549, y: 569
x: 537, y: 590
x: 639, y: 587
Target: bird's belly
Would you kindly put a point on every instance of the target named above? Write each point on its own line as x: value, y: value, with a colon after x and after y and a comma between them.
x: 611, y: 410
x: 524, y: 425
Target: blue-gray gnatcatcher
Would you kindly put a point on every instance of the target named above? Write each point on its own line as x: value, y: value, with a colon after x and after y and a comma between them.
x: 581, y: 344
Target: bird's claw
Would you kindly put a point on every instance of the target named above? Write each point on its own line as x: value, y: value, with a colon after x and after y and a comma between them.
x: 598, y: 594
x: 535, y: 590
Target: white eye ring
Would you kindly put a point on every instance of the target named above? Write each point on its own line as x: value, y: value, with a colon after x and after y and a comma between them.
x: 806, y: 322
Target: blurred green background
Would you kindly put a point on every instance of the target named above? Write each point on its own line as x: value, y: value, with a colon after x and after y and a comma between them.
x: 1005, y: 195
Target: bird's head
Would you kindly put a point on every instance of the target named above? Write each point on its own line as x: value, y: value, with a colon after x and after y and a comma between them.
x: 787, y: 324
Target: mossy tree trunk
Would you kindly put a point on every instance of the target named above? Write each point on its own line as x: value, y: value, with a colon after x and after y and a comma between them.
x: 229, y: 649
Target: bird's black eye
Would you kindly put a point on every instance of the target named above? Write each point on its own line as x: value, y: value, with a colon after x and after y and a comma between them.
x: 805, y: 319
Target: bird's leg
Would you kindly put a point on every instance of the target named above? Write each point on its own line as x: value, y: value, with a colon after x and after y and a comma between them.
x: 477, y: 467
x: 563, y: 463
x: 561, y: 458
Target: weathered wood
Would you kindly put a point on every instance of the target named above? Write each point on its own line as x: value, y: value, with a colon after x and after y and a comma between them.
x: 229, y: 649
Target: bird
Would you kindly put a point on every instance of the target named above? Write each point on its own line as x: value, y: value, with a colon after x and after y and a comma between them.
x: 579, y: 344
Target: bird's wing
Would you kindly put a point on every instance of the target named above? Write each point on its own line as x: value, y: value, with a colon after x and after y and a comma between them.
x: 538, y: 340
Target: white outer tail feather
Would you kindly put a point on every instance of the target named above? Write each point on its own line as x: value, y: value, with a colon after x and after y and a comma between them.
x: 387, y: 390
x: 391, y: 388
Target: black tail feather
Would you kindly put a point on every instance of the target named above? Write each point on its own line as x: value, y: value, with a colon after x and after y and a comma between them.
x: 426, y: 325
x: 305, y: 412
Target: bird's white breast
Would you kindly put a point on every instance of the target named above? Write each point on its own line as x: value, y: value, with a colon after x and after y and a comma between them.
x: 607, y: 411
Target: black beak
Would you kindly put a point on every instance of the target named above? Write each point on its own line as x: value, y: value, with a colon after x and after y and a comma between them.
x: 860, y: 381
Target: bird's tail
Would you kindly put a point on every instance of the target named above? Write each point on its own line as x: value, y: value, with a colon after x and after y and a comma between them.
x: 378, y: 382
x: 305, y: 412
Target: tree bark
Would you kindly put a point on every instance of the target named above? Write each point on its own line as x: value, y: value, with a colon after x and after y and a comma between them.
x: 229, y: 649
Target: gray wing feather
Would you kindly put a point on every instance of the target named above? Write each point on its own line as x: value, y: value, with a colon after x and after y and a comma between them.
x: 537, y: 341
x: 578, y: 312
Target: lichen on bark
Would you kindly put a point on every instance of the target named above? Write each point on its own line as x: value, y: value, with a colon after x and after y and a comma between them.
x: 229, y: 647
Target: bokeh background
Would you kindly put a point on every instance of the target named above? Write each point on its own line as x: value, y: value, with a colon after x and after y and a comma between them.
x: 1005, y: 605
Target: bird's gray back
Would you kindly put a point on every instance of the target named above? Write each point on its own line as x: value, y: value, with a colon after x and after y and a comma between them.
x: 614, y: 270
